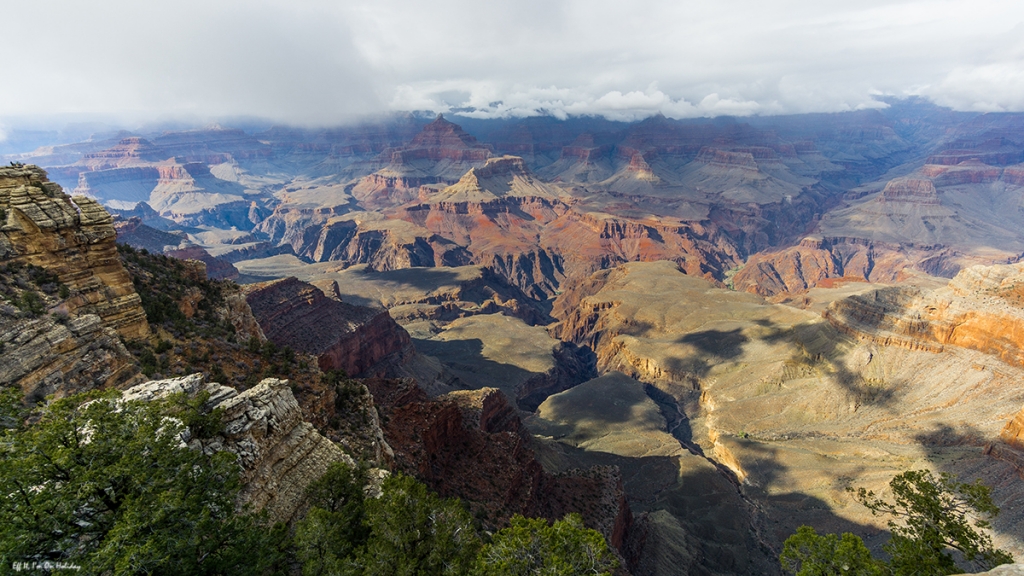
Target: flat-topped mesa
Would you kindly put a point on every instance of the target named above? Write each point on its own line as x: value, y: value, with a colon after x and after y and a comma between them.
x: 137, y: 181
x: 128, y: 151
x: 914, y: 190
x: 1014, y: 175
x: 42, y: 226
x: 725, y: 159
x: 585, y: 154
x: 356, y: 339
x: 502, y: 166
x: 996, y: 152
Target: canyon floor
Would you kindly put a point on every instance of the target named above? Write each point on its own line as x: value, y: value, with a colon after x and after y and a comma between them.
x: 733, y: 420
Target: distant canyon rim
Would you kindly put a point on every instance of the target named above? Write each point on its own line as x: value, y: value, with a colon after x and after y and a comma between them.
x: 706, y: 330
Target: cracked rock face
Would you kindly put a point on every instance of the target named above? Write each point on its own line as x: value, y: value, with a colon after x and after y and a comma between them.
x: 280, y: 453
x: 75, y: 240
x: 47, y: 356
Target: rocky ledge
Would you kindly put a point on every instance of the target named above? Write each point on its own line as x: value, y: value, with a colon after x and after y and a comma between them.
x: 280, y: 453
x: 73, y: 239
x: 982, y: 308
x: 472, y: 445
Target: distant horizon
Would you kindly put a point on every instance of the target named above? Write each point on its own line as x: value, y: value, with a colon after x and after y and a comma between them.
x: 320, y: 63
x: 67, y: 129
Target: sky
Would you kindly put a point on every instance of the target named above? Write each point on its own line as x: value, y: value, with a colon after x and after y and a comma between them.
x: 320, y: 62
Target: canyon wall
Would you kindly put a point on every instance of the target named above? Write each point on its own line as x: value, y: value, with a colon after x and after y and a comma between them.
x: 280, y: 453
x: 355, y: 339
x: 72, y: 239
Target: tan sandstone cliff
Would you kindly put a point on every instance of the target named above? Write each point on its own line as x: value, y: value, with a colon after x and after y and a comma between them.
x: 73, y: 239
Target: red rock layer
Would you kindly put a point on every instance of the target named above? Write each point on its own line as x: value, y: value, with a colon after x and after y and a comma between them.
x: 128, y: 151
x: 1014, y: 175
x: 472, y: 445
x: 216, y: 268
x: 963, y: 316
x: 995, y: 157
x: 726, y: 159
x: 355, y: 339
x: 815, y: 261
x: 969, y: 172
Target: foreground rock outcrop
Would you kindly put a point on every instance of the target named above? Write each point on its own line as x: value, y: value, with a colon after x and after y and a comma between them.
x: 73, y: 239
x: 280, y: 453
x: 59, y: 356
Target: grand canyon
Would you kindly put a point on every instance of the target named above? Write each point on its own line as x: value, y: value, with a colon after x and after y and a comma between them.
x: 695, y: 333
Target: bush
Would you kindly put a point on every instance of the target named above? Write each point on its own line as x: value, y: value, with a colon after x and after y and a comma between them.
x: 808, y: 554
x: 108, y: 486
x: 532, y: 546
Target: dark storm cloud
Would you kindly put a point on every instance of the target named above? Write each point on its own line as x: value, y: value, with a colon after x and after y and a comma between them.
x: 323, y: 61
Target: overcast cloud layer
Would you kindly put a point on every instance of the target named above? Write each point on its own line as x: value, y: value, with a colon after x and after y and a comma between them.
x: 325, y: 62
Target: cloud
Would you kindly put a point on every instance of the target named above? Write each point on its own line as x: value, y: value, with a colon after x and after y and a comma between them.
x: 320, y: 61
x: 293, y: 62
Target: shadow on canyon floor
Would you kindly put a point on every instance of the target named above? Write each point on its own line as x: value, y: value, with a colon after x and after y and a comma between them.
x: 572, y: 366
x: 727, y: 531
x: 961, y: 450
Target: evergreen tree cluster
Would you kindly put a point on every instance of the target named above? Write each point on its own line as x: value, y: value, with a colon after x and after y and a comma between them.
x: 94, y: 484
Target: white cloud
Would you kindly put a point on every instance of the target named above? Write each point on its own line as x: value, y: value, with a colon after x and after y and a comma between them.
x: 321, y: 61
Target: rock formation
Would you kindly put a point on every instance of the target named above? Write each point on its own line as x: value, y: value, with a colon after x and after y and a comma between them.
x: 472, y: 445
x: 71, y: 239
x: 980, y: 309
x: 439, y: 154
x: 355, y: 339
x: 767, y: 394
x: 280, y: 454
x: 62, y: 355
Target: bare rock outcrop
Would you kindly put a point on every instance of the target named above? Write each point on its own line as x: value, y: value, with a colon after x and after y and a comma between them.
x: 914, y: 190
x: 472, y: 445
x: 439, y: 154
x: 42, y: 226
x: 62, y: 355
x: 280, y: 453
x: 979, y: 309
x: 356, y: 339
x: 823, y: 262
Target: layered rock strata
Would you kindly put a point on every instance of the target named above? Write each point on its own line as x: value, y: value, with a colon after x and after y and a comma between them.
x: 280, y: 454
x: 980, y: 309
x: 62, y: 355
x: 472, y: 445
x: 355, y: 339
x: 72, y: 239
